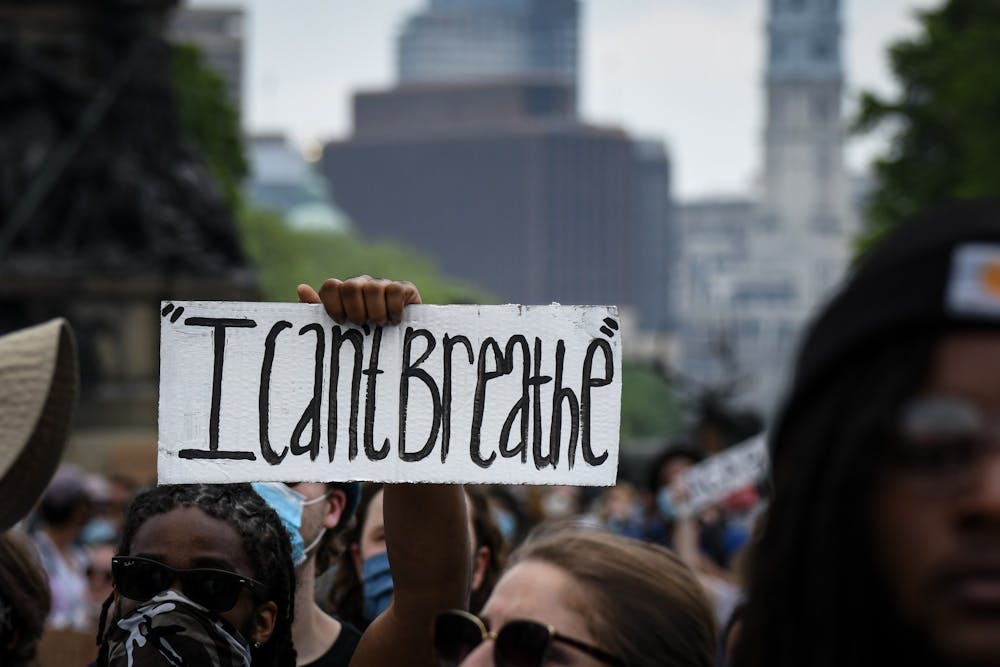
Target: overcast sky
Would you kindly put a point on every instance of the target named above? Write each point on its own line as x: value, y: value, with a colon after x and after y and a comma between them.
x: 688, y: 72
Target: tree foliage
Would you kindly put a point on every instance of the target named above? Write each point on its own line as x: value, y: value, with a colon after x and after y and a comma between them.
x: 285, y: 257
x: 650, y: 406
x: 946, y: 137
x: 208, y: 119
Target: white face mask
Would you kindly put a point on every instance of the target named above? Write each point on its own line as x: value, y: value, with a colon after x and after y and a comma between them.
x: 289, y: 503
x: 557, y: 506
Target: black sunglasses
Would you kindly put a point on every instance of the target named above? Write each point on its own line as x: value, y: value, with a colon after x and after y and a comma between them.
x: 518, y: 643
x: 140, y: 579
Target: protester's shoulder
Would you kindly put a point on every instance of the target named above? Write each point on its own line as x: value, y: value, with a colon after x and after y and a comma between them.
x: 340, y: 653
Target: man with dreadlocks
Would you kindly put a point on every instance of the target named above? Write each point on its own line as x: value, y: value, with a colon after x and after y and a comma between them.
x: 882, y: 541
x: 203, y: 576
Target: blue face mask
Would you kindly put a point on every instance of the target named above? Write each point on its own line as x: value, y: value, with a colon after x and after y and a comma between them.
x: 377, y: 585
x: 506, y: 524
x: 288, y: 504
x: 665, y: 503
x: 99, y: 530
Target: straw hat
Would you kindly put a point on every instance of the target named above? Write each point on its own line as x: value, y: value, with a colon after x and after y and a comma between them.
x: 38, y: 387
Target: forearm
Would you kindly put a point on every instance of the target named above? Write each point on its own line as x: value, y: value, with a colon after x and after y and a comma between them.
x: 427, y: 536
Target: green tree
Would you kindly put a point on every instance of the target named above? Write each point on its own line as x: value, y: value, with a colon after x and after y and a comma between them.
x: 285, y: 257
x: 208, y: 120
x: 650, y: 406
x: 946, y: 135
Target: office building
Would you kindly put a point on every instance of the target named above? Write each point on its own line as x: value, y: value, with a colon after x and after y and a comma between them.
x: 450, y: 41
x: 499, y: 182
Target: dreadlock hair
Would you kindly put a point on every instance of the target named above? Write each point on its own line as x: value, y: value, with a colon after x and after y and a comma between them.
x: 815, y: 596
x: 264, y: 540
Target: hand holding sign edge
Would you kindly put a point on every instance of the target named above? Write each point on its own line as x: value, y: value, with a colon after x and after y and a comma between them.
x: 431, y: 570
x: 362, y: 299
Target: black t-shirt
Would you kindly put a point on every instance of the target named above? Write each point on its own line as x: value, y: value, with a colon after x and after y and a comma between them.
x: 340, y: 653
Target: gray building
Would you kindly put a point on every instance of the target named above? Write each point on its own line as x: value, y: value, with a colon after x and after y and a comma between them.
x: 500, y: 183
x: 714, y: 241
x: 805, y: 183
x: 754, y: 270
x: 479, y: 159
x: 281, y: 180
x: 655, y: 238
x: 745, y: 292
x: 489, y: 40
x: 218, y: 33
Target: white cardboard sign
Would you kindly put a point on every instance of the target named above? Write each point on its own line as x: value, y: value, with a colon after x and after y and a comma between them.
x: 731, y: 470
x: 478, y: 394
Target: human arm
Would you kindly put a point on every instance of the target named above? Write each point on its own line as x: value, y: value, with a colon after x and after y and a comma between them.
x: 427, y: 537
x: 426, y: 526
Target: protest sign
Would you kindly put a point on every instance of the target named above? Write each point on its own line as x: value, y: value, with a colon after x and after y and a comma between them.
x: 715, y: 478
x: 477, y: 394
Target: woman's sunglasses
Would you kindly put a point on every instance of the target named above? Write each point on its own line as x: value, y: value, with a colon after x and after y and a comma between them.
x: 518, y: 643
x: 140, y: 579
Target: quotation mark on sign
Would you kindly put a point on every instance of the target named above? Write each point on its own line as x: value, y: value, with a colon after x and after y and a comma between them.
x: 170, y: 307
x: 610, y: 323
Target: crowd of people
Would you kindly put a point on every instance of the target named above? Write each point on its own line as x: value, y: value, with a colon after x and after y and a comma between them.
x: 874, y: 541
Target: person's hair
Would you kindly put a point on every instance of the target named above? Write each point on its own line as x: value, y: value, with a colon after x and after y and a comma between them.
x: 332, y: 544
x: 639, y: 601
x: 680, y: 449
x: 815, y: 596
x: 263, y: 537
x: 24, y: 599
x: 486, y: 535
x: 65, y: 496
x: 347, y: 595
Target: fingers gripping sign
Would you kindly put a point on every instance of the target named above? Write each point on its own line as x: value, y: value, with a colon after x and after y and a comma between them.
x: 398, y: 295
x: 363, y: 299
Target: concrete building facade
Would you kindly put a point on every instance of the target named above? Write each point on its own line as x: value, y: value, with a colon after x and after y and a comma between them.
x: 754, y: 270
x: 805, y: 184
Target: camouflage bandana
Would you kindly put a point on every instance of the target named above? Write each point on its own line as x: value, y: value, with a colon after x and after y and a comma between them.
x: 171, y: 630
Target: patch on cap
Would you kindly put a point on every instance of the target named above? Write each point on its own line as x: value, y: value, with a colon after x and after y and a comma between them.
x: 974, y: 284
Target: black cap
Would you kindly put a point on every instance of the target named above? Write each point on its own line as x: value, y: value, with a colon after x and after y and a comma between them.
x: 937, y: 272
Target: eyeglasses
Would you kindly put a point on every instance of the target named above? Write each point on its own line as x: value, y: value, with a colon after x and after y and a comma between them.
x: 140, y: 579
x: 519, y: 643
x: 941, y: 439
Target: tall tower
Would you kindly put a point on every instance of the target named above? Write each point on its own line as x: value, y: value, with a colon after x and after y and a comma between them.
x: 804, y: 179
x: 450, y: 41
